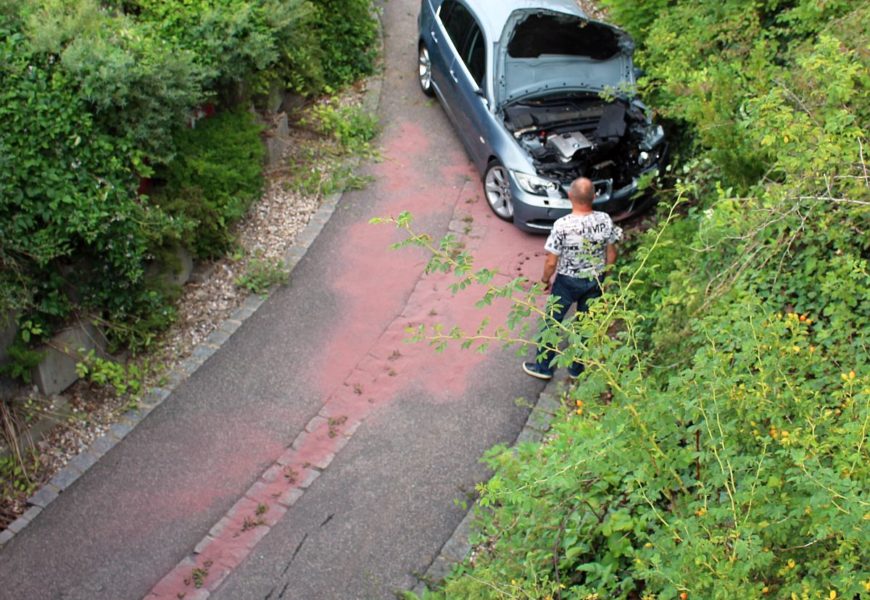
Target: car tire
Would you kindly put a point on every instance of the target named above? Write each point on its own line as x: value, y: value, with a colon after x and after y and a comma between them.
x: 424, y: 70
x: 497, y: 190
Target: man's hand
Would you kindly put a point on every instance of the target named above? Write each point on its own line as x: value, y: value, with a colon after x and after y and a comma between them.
x: 549, y: 268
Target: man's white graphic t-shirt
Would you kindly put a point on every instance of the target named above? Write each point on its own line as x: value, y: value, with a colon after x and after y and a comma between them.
x: 580, y: 242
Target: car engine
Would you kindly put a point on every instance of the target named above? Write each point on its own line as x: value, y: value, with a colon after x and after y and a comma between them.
x: 581, y: 137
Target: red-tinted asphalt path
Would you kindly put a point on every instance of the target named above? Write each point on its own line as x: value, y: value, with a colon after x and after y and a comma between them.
x: 213, y: 479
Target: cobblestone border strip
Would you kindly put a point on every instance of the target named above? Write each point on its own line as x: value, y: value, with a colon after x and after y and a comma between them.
x: 458, y: 546
x: 76, y: 467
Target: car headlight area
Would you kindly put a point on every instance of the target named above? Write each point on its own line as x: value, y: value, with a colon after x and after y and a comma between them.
x: 534, y: 184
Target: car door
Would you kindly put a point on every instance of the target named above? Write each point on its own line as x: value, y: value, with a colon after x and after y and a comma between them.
x: 441, y: 51
x: 466, y: 80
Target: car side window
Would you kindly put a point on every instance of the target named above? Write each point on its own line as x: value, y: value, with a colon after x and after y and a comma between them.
x: 466, y: 36
x: 475, y: 57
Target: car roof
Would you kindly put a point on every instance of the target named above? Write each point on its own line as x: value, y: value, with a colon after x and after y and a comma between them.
x: 495, y: 13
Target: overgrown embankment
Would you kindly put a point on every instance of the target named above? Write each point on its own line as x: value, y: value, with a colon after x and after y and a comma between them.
x: 96, y: 97
x: 717, y: 445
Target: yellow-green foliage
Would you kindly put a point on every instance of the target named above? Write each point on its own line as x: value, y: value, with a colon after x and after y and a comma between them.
x: 717, y: 445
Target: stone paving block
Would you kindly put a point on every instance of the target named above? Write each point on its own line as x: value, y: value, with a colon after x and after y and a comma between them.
x: 548, y: 403
x: 155, y: 396
x: 324, y: 461
x: 196, y: 594
x: 5, y: 537
x: 308, y: 478
x: 290, y: 497
x: 340, y: 442
x: 272, y: 474
x: 203, y: 352
x: 101, y: 445
x: 288, y: 457
x: 119, y: 430
x: 439, y: 569
x: 83, y: 461
x: 230, y: 326
x: 43, y: 497
x: 174, y: 378
x: 253, y: 303
x: 18, y: 524
x: 348, y: 429
x: 65, y: 478
x: 529, y: 435
x: 315, y: 423
x: 299, y: 441
x: 217, y: 337
x: 203, y: 543
x: 134, y: 416
x: 457, y: 547
x: 295, y: 252
x: 243, y: 312
x: 31, y: 513
x: 219, y: 527
x: 540, y: 420
x: 189, y: 365
x: 306, y: 237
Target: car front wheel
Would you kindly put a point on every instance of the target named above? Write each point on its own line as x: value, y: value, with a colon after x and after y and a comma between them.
x: 497, y: 189
x: 424, y: 70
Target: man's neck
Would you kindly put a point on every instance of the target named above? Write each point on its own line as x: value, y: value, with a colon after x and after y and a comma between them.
x: 581, y: 211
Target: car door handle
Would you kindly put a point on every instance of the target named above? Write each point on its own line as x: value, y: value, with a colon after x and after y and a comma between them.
x: 453, y: 76
x: 434, y: 37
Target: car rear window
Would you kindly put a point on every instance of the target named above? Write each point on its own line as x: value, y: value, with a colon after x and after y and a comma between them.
x: 564, y: 35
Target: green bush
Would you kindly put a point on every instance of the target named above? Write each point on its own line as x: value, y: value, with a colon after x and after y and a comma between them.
x: 95, y: 95
x: 215, y: 177
x: 242, y: 45
x: 347, y: 30
x: 717, y: 444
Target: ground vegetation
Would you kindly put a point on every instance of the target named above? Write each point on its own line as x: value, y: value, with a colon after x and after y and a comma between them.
x: 716, y: 446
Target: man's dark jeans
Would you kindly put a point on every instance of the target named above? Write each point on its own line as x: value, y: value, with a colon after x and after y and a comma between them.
x: 566, y: 291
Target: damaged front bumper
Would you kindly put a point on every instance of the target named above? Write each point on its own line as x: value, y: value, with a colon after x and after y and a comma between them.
x: 536, y: 214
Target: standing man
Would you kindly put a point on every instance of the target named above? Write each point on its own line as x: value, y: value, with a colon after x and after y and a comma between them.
x: 581, y: 245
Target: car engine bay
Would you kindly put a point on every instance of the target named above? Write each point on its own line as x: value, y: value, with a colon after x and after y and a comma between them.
x: 583, y: 136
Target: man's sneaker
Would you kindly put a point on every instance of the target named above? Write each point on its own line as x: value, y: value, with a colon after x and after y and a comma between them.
x: 573, y: 373
x: 535, y: 370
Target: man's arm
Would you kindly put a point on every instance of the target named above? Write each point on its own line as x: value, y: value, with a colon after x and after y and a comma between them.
x: 610, y: 257
x: 549, y: 268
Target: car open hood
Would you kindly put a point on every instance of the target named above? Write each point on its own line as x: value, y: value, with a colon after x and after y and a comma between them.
x: 545, y: 50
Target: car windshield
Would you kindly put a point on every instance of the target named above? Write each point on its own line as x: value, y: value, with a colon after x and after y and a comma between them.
x: 566, y: 35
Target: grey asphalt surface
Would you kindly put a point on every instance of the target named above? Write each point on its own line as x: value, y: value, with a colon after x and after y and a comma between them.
x: 381, y: 511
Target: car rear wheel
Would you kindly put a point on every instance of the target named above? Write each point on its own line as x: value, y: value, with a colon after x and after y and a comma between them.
x: 424, y: 70
x: 497, y: 189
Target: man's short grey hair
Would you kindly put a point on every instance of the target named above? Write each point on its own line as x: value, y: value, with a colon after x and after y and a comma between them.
x: 582, y: 190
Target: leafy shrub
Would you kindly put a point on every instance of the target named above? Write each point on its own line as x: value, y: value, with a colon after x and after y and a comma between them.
x: 347, y: 30
x: 242, y: 45
x: 717, y: 444
x: 261, y: 274
x: 214, y: 178
x: 351, y: 127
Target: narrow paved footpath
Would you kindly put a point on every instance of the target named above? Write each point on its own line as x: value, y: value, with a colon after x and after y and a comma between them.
x: 317, y: 454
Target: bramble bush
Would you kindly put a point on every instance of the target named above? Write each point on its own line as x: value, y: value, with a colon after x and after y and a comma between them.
x: 716, y: 446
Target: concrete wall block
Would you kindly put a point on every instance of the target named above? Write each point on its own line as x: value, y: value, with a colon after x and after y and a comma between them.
x: 57, y: 371
x: 275, y: 149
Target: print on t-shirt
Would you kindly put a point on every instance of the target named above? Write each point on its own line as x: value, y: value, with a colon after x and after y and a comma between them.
x: 580, y: 242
